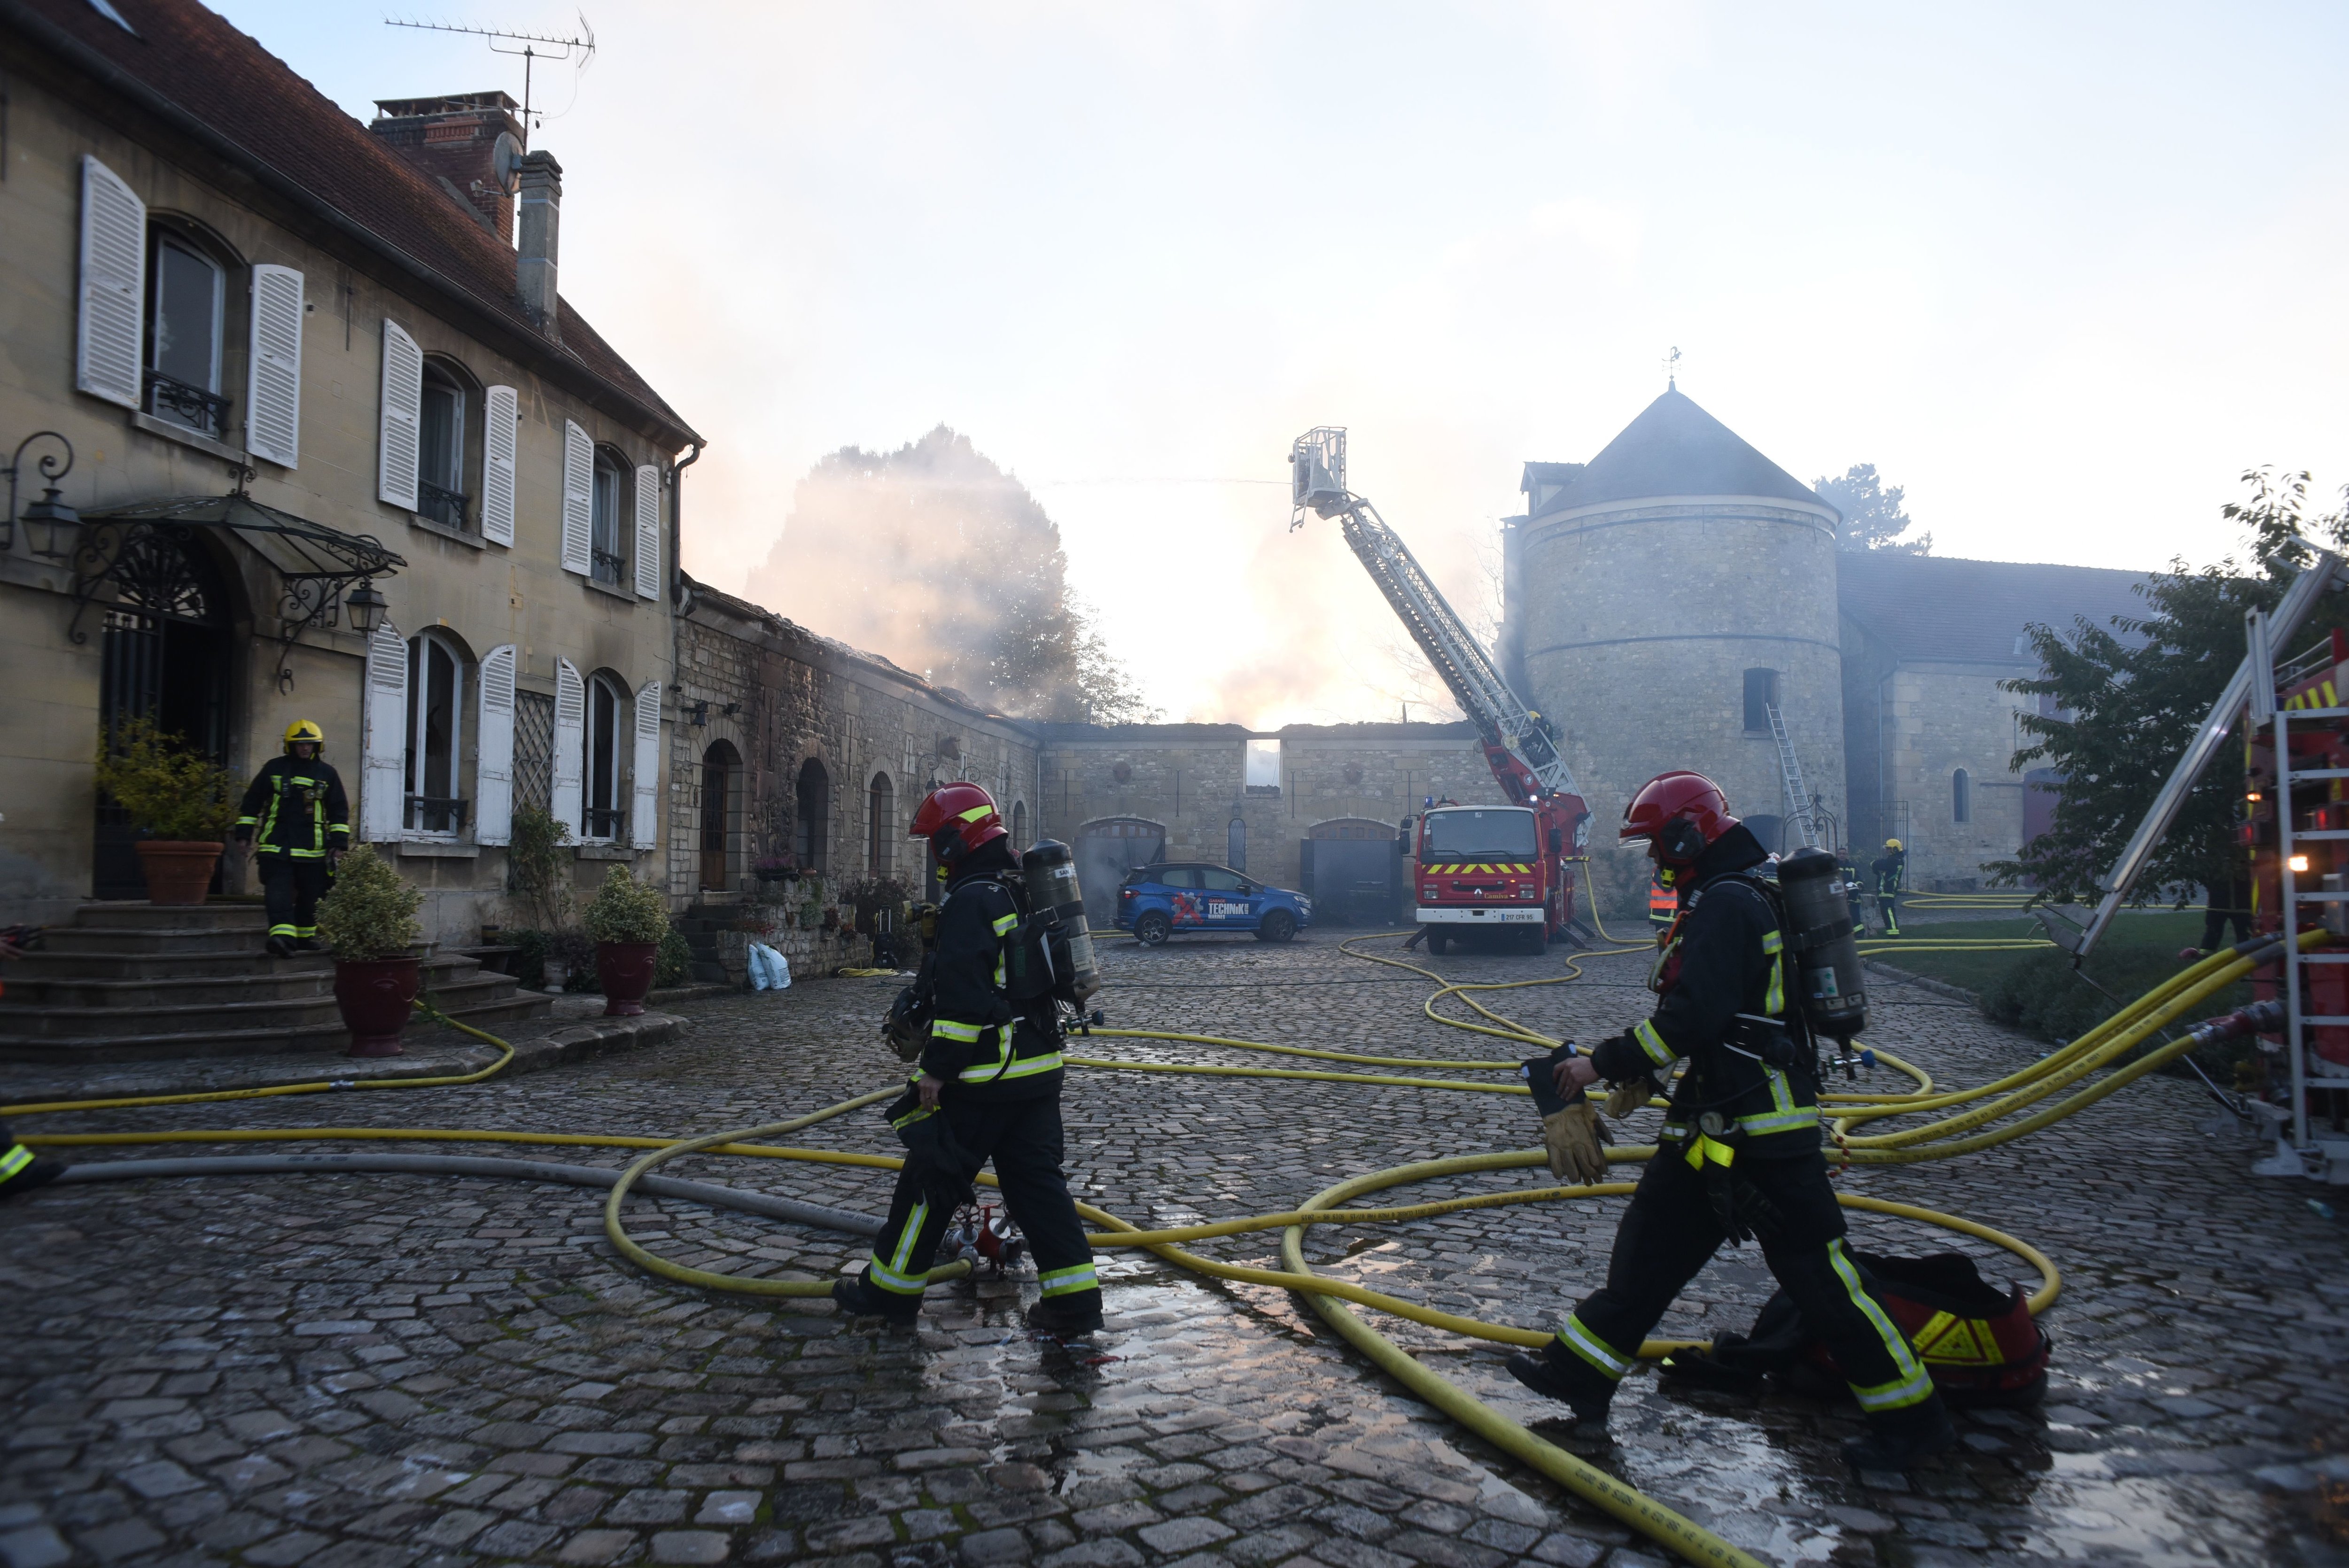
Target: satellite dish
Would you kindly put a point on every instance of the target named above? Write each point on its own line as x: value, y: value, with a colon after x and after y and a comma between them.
x: 505, y: 163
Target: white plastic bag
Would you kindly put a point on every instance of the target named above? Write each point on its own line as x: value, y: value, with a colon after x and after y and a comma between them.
x: 769, y: 970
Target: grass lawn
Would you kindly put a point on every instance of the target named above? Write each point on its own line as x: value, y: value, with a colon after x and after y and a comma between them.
x: 2036, y: 991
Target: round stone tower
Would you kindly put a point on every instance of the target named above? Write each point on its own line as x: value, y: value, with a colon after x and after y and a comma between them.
x: 1673, y: 589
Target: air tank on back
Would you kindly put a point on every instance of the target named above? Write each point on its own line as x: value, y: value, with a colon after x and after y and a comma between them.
x: 1827, y: 975
x: 1049, y: 870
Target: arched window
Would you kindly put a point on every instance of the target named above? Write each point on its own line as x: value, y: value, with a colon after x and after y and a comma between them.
x: 812, y: 800
x: 881, y: 808
x: 1761, y: 696
x: 1019, y: 825
x: 608, y: 553
x: 440, y: 447
x: 187, y: 311
x: 436, y: 722
x: 1235, y: 844
x: 607, y: 707
x: 1961, y: 796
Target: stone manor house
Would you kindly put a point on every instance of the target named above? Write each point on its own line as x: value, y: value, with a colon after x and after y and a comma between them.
x: 309, y: 430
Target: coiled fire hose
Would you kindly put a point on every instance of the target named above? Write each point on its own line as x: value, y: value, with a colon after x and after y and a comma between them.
x: 1952, y: 1136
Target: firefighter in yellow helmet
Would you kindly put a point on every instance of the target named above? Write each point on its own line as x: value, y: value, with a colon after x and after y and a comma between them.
x: 297, y: 821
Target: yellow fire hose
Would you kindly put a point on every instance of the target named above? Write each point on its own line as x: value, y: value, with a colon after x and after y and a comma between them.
x: 1934, y: 1141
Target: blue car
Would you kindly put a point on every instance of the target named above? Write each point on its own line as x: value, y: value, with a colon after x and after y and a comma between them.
x: 1155, y: 902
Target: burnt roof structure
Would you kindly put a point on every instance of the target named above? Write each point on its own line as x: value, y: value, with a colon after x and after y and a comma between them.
x: 248, y: 122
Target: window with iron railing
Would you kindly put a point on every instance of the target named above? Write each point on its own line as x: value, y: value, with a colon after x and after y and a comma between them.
x: 609, y: 568
x: 602, y: 821
x: 179, y: 403
x: 440, y: 449
x: 443, y: 506
x: 187, y: 304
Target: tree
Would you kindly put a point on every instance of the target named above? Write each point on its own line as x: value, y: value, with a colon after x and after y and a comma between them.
x: 1872, y: 518
x: 2124, y: 699
x: 938, y: 559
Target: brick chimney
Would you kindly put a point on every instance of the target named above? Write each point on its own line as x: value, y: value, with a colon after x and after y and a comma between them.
x: 542, y: 226
x: 451, y: 140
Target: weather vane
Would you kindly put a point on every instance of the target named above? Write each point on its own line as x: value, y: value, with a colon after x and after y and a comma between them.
x: 1671, y: 369
x: 582, y: 47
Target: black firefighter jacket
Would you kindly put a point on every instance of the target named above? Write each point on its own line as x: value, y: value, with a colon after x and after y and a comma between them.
x: 295, y: 809
x: 984, y: 1046
x: 1726, y: 956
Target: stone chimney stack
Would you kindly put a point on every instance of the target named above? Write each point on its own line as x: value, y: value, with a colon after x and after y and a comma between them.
x: 541, y: 215
x: 452, y: 139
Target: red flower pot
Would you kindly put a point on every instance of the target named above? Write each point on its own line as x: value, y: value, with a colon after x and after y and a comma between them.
x: 375, y: 996
x: 178, y: 870
x: 625, y: 968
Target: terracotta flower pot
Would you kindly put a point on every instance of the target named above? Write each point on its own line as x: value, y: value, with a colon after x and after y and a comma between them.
x: 625, y: 968
x: 375, y: 995
x: 178, y: 869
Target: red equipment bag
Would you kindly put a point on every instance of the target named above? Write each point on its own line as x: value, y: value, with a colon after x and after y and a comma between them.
x: 1982, y: 1347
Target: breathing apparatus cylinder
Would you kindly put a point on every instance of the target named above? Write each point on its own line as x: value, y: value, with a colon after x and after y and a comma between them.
x: 1049, y: 870
x: 1828, y: 973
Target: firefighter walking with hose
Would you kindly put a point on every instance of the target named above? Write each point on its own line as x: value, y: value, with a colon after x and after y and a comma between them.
x: 1738, y: 1157
x: 988, y: 1087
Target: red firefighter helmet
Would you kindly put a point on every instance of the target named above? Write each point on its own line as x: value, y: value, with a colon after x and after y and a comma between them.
x: 957, y: 819
x: 1680, y: 814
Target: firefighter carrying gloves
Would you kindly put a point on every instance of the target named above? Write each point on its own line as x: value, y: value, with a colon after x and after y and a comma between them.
x: 1888, y: 868
x: 1739, y: 1154
x: 988, y: 1086
x: 297, y: 823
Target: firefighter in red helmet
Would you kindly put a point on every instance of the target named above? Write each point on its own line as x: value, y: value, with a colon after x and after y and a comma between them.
x: 989, y: 1088
x: 1739, y: 1153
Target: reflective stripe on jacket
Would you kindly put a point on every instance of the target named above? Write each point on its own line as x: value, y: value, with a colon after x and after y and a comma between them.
x: 296, y: 809
x: 980, y: 1044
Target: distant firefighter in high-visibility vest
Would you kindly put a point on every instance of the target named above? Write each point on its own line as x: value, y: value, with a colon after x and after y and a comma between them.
x: 1889, y: 868
x: 1663, y: 904
x: 297, y: 821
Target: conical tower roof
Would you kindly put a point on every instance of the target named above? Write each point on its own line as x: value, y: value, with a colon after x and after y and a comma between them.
x: 1676, y: 448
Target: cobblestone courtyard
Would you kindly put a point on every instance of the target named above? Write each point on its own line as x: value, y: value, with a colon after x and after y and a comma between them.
x: 348, y: 1371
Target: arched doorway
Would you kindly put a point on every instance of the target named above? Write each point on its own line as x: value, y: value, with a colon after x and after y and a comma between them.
x: 1349, y: 868
x: 811, y: 804
x: 167, y: 656
x: 721, y: 804
x: 1107, y: 847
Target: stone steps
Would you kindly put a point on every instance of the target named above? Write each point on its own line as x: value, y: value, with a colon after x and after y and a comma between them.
x: 131, y: 982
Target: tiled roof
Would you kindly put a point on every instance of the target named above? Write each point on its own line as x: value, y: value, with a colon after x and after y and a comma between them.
x: 274, y: 123
x: 1675, y: 448
x: 1973, y: 611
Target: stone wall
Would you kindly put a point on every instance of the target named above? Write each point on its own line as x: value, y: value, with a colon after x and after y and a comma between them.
x: 759, y: 699
x: 1910, y: 728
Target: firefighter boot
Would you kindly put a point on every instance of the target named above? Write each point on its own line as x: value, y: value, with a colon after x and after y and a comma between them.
x: 21, y: 1170
x: 1567, y: 1379
x: 859, y: 1297
x: 1066, y: 1319
x: 1900, y: 1439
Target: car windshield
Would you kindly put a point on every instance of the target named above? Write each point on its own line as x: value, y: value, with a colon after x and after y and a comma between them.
x: 1498, y: 835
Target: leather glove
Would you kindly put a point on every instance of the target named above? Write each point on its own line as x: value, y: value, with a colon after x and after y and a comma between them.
x: 1630, y: 1095
x: 1572, y: 1137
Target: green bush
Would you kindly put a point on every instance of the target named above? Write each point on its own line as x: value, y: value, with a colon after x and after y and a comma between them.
x: 669, y: 968
x: 169, y: 789
x: 2042, y: 996
x: 625, y: 909
x: 369, y: 912
x: 538, y: 871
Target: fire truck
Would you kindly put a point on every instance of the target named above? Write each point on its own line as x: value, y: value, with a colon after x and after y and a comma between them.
x: 1510, y: 868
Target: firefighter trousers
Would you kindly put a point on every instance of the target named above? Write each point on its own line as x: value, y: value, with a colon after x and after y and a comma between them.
x: 1022, y: 1137
x: 1669, y: 1232
x: 290, y: 889
x: 1886, y: 912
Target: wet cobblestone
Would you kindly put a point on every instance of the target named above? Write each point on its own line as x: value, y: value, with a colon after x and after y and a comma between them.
x: 347, y: 1371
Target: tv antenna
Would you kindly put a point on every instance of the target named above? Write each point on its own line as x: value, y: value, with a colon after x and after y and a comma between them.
x: 535, y: 46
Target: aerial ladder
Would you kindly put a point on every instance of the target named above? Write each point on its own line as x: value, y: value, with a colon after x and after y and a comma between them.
x: 1520, y: 746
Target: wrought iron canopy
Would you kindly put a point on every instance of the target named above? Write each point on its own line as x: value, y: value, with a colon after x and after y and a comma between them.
x: 316, y: 563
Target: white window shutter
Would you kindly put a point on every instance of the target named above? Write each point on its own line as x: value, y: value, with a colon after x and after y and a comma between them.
x: 649, y: 531
x: 578, y: 498
x: 570, y: 746
x: 273, y: 403
x: 107, y: 345
x: 499, y: 437
x: 383, y: 784
x: 493, y: 769
x: 644, y: 818
x: 403, y: 416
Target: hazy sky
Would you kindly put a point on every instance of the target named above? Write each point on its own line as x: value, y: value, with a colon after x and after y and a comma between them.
x: 2060, y: 270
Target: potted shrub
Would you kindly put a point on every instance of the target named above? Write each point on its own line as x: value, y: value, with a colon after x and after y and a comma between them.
x: 775, y: 868
x: 180, y: 802
x: 627, y: 919
x: 367, y: 921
